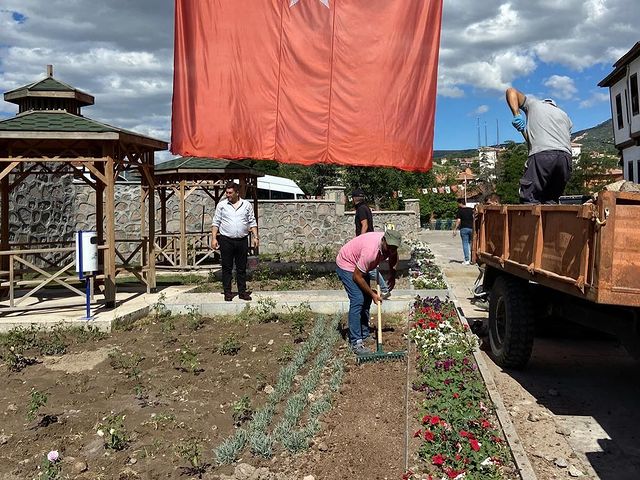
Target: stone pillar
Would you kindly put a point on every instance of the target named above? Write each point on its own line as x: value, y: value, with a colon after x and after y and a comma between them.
x: 413, y: 205
x: 336, y: 193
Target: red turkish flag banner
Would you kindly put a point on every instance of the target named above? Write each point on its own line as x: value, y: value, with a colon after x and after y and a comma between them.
x: 349, y: 82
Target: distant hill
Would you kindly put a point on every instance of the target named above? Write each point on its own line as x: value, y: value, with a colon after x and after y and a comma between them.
x: 594, y: 139
x: 471, y: 152
x: 597, y: 139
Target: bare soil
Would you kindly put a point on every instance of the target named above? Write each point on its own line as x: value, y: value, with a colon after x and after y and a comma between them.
x: 167, y: 402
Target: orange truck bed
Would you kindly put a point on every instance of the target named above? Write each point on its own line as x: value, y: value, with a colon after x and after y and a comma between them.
x: 591, y: 251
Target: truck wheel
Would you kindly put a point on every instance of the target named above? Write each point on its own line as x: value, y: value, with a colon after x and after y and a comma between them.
x: 511, y: 322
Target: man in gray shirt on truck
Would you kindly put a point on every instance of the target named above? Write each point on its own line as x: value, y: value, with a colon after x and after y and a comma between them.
x: 547, y: 130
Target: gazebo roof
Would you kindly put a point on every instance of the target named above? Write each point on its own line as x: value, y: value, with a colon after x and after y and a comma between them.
x: 59, y: 124
x: 47, y: 87
x: 204, y: 165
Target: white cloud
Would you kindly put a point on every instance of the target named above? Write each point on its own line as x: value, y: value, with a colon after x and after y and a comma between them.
x: 561, y: 86
x: 502, y: 26
x: 594, y: 99
x: 480, y: 110
x: 121, y: 51
x: 576, y: 34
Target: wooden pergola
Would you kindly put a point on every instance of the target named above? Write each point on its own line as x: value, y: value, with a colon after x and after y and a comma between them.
x: 180, y: 178
x: 49, y: 136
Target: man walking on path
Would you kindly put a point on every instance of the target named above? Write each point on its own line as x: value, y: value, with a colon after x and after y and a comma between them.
x: 547, y: 131
x: 357, y: 257
x: 464, y: 223
x: 233, y: 220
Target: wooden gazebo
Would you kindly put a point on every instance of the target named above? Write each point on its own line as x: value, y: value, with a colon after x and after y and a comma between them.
x: 49, y: 136
x: 180, y: 178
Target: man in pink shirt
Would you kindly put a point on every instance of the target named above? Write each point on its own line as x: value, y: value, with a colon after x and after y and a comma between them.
x: 355, y: 259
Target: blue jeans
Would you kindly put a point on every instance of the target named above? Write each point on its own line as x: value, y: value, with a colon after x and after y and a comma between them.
x: 376, y: 275
x: 359, y: 306
x: 466, y: 234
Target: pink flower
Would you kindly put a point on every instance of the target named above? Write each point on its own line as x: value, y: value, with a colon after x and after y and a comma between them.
x: 53, y: 456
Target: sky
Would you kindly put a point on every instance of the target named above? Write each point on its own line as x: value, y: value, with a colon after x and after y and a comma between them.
x: 121, y: 52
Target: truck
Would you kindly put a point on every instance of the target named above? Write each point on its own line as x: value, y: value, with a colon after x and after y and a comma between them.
x: 579, y: 262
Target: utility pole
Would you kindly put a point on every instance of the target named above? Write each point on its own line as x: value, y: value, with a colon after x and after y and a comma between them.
x: 486, y: 142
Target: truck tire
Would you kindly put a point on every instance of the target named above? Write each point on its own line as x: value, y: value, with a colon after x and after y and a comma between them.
x: 511, y: 322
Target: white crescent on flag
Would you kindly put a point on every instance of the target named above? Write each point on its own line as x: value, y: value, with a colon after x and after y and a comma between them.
x: 324, y: 2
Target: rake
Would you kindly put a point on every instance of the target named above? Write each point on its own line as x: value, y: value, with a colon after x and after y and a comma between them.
x: 380, y: 355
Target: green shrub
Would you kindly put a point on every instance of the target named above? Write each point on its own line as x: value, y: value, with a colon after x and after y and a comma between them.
x: 230, y: 346
x: 37, y: 399
x: 242, y: 411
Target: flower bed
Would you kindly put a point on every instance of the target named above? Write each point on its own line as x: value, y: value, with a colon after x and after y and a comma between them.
x: 459, y: 437
x: 423, y: 272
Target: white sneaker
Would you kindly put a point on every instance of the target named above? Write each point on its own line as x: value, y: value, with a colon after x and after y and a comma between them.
x: 466, y: 262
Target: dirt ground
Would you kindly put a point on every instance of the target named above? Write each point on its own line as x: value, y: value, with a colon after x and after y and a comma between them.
x: 176, y: 385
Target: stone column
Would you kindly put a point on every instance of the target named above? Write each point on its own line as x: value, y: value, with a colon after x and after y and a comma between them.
x: 336, y: 194
x: 413, y: 205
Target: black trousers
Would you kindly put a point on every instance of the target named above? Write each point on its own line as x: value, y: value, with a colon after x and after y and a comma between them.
x: 546, y: 174
x: 234, y: 250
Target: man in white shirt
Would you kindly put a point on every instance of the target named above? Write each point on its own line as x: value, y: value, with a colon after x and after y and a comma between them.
x: 233, y: 220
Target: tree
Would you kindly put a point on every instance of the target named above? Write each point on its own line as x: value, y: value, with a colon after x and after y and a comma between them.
x: 381, y: 183
x: 590, y: 174
x: 509, y: 170
x: 314, y: 178
x: 438, y: 205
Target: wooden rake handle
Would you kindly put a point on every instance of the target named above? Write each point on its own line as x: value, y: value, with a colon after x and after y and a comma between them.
x: 379, y: 316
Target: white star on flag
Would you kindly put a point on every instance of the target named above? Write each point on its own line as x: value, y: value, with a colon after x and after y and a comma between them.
x: 324, y: 2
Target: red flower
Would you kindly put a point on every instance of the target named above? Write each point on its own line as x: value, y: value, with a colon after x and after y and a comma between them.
x: 485, y: 423
x: 475, y: 446
x: 417, y: 433
x: 437, y: 459
x: 433, y: 326
x: 426, y: 419
x: 435, y: 420
x: 456, y: 395
x: 496, y: 439
x: 407, y: 475
x: 465, y: 434
x: 428, y: 435
x: 454, y: 473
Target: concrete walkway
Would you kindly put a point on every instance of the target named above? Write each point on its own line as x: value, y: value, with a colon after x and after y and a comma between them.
x: 48, y: 310
x: 320, y: 301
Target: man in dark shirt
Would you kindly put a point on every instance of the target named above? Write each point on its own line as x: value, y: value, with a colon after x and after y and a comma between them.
x: 364, y: 217
x: 364, y: 224
x: 464, y: 223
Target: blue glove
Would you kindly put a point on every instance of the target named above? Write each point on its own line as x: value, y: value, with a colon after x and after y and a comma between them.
x: 518, y: 122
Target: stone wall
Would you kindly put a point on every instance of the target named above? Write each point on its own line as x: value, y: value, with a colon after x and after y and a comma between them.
x: 50, y: 209
x: 42, y: 209
x: 316, y: 224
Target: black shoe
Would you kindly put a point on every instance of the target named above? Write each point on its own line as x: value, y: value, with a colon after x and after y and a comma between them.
x: 245, y: 296
x: 228, y: 296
